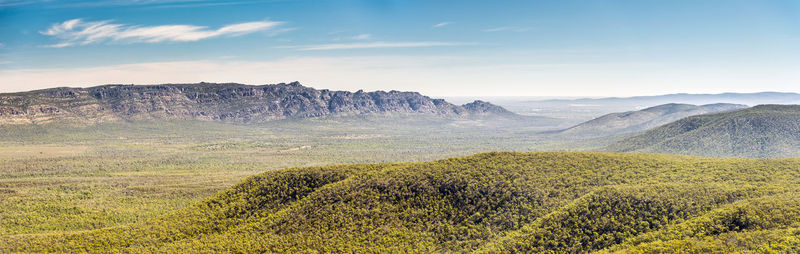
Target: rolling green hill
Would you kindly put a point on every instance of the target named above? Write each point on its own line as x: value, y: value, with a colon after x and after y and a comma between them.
x: 554, y: 202
x: 764, y: 131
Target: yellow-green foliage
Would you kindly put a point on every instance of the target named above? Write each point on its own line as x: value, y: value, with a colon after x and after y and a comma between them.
x: 554, y: 202
x: 56, y: 178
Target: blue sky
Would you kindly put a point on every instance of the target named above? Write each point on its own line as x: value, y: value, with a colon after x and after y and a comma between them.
x: 440, y: 48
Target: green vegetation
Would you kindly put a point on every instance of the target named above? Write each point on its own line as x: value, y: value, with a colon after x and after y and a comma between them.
x: 766, y: 131
x: 204, y: 186
x: 58, y: 178
x: 552, y: 202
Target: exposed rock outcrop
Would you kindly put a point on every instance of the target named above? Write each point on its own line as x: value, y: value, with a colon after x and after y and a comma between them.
x: 228, y: 102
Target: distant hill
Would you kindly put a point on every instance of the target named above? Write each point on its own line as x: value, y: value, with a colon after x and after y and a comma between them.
x: 584, y: 109
x: 228, y: 102
x: 759, y: 132
x: 696, y: 99
x: 555, y: 202
x: 635, y: 121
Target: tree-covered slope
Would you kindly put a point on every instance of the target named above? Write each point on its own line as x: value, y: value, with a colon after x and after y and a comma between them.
x: 635, y: 121
x: 555, y: 202
x: 760, y: 132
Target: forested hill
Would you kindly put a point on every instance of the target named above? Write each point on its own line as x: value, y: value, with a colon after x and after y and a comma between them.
x: 555, y: 202
x: 759, y: 132
x: 221, y: 102
x: 635, y: 121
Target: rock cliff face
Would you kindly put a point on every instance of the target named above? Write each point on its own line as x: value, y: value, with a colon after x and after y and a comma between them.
x: 218, y: 102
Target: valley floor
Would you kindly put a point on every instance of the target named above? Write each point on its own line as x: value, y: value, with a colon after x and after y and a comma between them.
x: 64, y: 178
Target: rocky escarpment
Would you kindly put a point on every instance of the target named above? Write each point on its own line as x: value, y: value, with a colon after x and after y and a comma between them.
x: 483, y: 107
x: 219, y: 102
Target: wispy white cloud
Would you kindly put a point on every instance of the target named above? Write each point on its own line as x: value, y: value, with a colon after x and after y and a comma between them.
x: 358, y: 37
x: 6, y: 62
x: 373, y: 45
x: 442, y: 24
x: 362, y: 37
x: 58, y: 45
x: 507, y: 29
x: 273, y: 32
x: 78, y: 32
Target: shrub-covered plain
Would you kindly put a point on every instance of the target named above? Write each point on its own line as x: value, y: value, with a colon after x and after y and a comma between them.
x: 59, y: 178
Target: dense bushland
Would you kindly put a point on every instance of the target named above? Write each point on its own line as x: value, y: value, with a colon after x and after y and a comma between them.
x: 555, y: 202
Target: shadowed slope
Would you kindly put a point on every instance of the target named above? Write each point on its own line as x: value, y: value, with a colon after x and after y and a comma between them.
x: 761, y: 131
x: 635, y: 121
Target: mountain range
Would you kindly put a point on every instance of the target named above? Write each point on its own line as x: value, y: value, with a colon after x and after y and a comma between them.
x: 229, y: 102
x: 720, y: 129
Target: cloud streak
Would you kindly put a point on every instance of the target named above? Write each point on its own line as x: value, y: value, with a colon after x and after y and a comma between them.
x: 374, y: 45
x: 442, y: 24
x: 78, y: 32
x: 362, y: 37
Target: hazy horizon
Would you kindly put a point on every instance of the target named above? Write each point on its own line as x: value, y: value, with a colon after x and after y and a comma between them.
x: 473, y: 48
